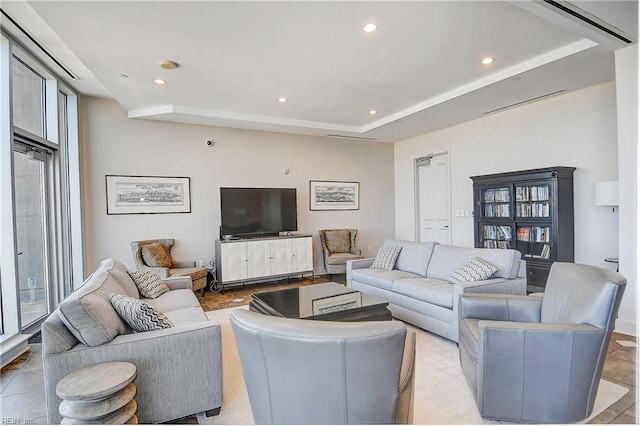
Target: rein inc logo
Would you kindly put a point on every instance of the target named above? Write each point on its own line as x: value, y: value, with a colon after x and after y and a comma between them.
x: 18, y: 421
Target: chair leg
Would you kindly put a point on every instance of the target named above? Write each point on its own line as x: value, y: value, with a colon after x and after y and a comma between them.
x: 202, y: 291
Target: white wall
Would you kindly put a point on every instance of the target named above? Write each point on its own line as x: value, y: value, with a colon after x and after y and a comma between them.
x: 627, y: 98
x: 114, y: 144
x: 575, y: 129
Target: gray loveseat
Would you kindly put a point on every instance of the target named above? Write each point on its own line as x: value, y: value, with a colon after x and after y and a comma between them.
x: 418, y: 290
x: 179, y: 369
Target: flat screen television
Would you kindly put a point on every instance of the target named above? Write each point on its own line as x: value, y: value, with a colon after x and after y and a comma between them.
x: 254, y: 212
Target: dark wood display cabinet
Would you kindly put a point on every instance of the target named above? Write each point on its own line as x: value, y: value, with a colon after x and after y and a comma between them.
x: 530, y: 211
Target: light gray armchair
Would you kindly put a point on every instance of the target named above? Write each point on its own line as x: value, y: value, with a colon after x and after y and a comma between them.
x: 175, y: 268
x: 539, y: 359
x: 321, y: 372
x: 339, y: 246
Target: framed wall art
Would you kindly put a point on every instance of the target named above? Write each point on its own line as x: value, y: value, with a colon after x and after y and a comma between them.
x: 334, y: 195
x: 147, y: 194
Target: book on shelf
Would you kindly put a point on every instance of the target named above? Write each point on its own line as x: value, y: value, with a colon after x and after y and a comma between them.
x: 546, y: 251
x: 524, y: 233
x: 497, y: 232
x: 489, y: 195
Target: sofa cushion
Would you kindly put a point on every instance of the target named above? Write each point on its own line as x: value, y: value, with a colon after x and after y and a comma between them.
x: 88, y: 313
x: 414, y: 257
x: 149, y: 283
x: 156, y: 256
x: 381, y: 278
x: 475, y: 269
x: 338, y: 240
x: 386, y: 258
x: 186, y: 316
x: 139, y: 315
x: 447, y: 259
x: 174, y: 300
x: 120, y: 272
x: 428, y: 290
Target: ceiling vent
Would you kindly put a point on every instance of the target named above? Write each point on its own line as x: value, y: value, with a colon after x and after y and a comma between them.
x: 595, y: 23
x: 28, y: 39
x: 537, y: 98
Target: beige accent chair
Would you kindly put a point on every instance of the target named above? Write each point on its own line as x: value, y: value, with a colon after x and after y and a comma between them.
x: 180, y: 268
x: 339, y: 246
x: 325, y: 372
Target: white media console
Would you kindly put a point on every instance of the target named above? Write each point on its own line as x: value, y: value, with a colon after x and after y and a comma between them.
x: 246, y: 260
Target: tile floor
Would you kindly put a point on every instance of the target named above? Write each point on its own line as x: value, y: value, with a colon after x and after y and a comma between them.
x: 22, y: 382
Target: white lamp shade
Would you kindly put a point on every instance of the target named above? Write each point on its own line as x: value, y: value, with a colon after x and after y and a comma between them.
x: 606, y: 193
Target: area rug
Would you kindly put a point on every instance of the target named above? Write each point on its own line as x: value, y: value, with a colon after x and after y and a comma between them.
x: 442, y: 395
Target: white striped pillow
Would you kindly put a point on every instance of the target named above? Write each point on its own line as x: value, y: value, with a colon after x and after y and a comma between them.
x: 139, y: 315
x: 149, y: 283
x: 475, y: 269
x: 386, y: 258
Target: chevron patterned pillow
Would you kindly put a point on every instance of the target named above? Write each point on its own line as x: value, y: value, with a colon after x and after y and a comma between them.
x: 386, y: 258
x: 149, y: 283
x: 475, y: 269
x: 139, y: 315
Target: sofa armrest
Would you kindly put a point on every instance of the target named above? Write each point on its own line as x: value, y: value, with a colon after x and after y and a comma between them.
x: 161, y: 272
x: 356, y: 251
x: 522, y: 270
x: 184, y: 263
x: 162, y: 363
x: 359, y: 263
x: 356, y: 264
x: 500, y: 307
x: 179, y: 282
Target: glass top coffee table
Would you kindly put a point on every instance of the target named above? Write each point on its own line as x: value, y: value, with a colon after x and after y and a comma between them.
x: 325, y: 302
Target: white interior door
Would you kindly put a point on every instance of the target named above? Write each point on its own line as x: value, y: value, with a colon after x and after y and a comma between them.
x: 433, y: 199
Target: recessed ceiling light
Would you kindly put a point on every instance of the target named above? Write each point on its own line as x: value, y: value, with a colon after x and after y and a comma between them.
x: 488, y: 60
x: 373, y: 112
x: 169, y: 65
x: 369, y: 28
x: 282, y: 100
x: 160, y: 81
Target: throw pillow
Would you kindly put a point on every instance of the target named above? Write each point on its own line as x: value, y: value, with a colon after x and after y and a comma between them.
x: 386, y: 258
x: 139, y: 315
x: 338, y: 241
x: 475, y: 269
x: 156, y: 256
x: 149, y: 284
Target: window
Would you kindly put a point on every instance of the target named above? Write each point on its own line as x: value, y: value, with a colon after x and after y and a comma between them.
x: 28, y: 92
x: 40, y: 248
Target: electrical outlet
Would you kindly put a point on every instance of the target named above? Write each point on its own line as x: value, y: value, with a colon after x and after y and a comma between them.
x: 202, y: 263
x: 458, y: 213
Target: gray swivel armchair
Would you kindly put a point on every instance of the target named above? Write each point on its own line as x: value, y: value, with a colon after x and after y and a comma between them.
x: 539, y: 359
x: 321, y: 372
x: 338, y: 246
x: 174, y: 268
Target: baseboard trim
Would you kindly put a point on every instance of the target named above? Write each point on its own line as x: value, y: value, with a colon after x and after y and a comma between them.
x: 12, y: 348
x: 626, y: 327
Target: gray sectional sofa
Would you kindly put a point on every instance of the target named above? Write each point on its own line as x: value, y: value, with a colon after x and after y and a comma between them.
x: 418, y: 290
x: 179, y: 369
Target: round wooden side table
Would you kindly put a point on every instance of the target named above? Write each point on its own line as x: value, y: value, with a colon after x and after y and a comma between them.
x: 99, y: 394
